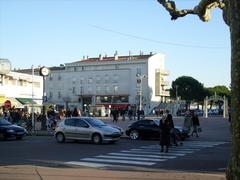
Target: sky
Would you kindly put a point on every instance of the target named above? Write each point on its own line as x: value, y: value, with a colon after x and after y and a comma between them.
x: 54, y: 32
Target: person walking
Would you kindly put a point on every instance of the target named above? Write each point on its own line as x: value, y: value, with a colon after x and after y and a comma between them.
x: 188, y: 121
x: 196, y: 124
x: 173, y: 133
x: 164, y: 133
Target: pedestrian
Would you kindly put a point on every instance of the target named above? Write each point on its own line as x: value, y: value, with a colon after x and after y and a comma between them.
x: 196, y: 124
x: 164, y: 133
x: 173, y: 133
x: 188, y: 121
x: 115, y: 115
x: 75, y: 112
x: 130, y: 114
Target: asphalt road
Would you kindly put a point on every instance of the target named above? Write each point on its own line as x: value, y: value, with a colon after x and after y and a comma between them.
x: 207, y: 154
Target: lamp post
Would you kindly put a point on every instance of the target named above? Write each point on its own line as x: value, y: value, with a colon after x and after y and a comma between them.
x: 176, y: 88
x: 33, y: 122
x: 139, y: 81
x: 44, y: 73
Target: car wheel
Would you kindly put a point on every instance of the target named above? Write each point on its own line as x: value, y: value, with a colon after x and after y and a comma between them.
x: 60, y: 137
x: 97, y: 139
x: 134, y: 134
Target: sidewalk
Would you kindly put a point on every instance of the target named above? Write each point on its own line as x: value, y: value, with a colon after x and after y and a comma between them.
x: 27, y: 172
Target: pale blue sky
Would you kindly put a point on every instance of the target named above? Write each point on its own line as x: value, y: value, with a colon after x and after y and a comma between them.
x: 54, y: 32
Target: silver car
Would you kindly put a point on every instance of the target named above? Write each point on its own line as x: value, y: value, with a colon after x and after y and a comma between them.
x: 86, y: 128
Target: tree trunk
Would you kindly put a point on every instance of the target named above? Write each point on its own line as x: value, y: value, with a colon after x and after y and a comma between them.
x: 233, y: 171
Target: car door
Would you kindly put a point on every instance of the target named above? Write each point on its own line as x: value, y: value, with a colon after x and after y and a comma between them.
x: 70, y: 128
x: 150, y: 129
x: 82, y: 129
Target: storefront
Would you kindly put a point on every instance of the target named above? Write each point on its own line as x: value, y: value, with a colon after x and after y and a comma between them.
x: 7, y: 103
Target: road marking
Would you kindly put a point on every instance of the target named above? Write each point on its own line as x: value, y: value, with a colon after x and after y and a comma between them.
x: 88, y: 164
x: 144, y: 155
x: 119, y: 161
x: 172, y: 147
x: 131, y: 158
x: 150, y: 152
x: 141, y: 155
x: 172, y: 150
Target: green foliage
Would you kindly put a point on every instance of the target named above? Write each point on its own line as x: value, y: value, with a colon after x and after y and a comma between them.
x: 219, y: 90
x: 192, y: 90
x: 188, y: 89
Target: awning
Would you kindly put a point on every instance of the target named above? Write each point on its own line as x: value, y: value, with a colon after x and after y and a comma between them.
x: 10, y: 102
x: 26, y: 101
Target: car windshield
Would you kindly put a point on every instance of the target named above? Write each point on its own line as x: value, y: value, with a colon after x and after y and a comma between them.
x: 4, y: 122
x: 95, y: 122
x: 156, y: 121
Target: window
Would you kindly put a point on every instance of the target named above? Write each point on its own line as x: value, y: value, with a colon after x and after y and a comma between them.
x: 89, y: 89
x: 59, y: 77
x: 139, y: 71
x: 50, y: 95
x: 81, y: 123
x: 90, y: 80
x: 107, y: 89
x: 73, y: 90
x: 98, y: 89
x: 81, y: 80
x: 115, y: 89
x: 59, y: 94
x: 115, y: 78
x: 73, y: 80
x: 98, y: 79
x: 81, y: 90
x: 69, y: 122
x: 50, y: 76
x: 107, y: 79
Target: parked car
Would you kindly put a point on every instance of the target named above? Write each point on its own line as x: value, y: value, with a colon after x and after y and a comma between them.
x: 87, y: 128
x: 8, y: 130
x: 149, y: 128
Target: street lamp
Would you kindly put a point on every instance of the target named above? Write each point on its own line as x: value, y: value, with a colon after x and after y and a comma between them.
x: 176, y: 88
x: 33, y: 122
x: 139, y: 81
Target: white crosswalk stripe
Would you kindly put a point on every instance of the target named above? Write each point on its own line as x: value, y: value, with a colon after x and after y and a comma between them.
x: 143, y: 156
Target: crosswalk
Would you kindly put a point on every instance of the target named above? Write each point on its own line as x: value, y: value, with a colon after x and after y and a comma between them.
x: 148, y: 155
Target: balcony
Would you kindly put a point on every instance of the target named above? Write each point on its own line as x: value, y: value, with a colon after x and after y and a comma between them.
x: 164, y: 72
x: 165, y: 93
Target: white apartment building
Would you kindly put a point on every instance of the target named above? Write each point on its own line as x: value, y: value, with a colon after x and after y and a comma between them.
x: 19, y: 89
x: 109, y: 82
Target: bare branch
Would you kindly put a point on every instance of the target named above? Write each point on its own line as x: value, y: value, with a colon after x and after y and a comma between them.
x: 203, y: 9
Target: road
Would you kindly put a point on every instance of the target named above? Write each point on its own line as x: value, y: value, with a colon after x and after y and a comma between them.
x: 207, y: 154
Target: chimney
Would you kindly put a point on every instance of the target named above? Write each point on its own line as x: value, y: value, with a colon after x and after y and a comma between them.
x: 151, y: 53
x: 116, y: 55
x: 100, y: 57
x: 83, y: 57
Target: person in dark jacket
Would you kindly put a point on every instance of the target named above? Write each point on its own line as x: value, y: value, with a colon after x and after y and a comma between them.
x: 164, y: 133
x: 196, y: 124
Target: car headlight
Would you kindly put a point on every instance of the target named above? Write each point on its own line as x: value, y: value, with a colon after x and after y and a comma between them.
x: 10, y: 131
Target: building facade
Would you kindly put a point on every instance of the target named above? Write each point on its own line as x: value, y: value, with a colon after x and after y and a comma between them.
x: 20, y: 90
x: 109, y: 82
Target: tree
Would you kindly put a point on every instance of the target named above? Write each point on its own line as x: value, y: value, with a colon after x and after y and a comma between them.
x: 231, y: 16
x: 188, y: 89
x: 219, y: 90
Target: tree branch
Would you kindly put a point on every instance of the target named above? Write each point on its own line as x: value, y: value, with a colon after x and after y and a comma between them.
x: 203, y: 9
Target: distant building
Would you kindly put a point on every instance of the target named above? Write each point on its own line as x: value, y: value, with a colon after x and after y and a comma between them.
x: 109, y: 82
x: 19, y: 89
